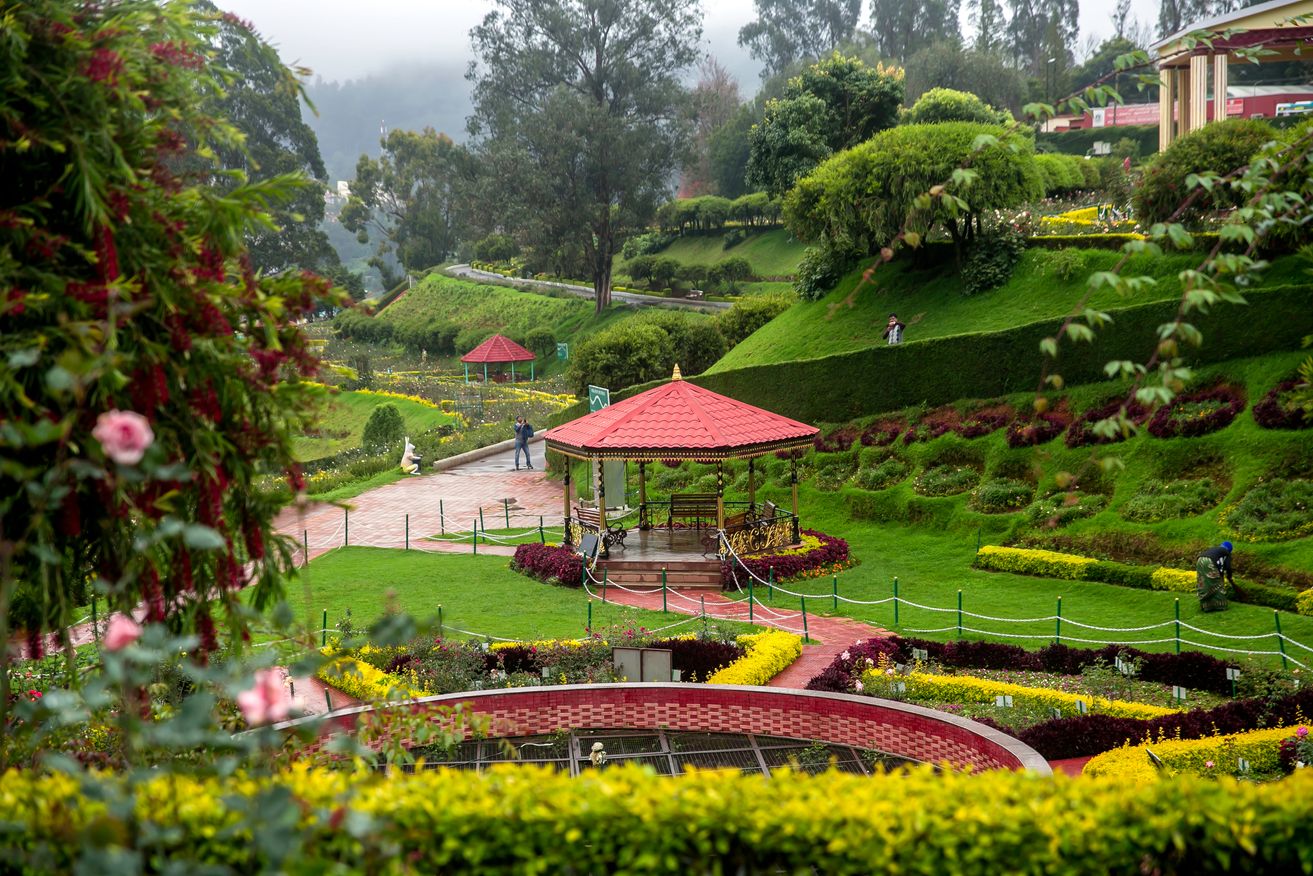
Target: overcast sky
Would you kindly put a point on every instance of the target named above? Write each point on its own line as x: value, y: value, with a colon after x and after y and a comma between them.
x: 348, y: 39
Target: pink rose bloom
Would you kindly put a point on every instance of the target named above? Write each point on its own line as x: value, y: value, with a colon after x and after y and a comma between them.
x: 1301, y: 732
x: 124, y: 435
x: 122, y: 632
x: 267, y: 701
x: 1209, y: 764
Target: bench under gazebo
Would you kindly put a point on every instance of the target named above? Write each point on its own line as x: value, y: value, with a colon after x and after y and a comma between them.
x: 676, y: 421
x: 497, y: 350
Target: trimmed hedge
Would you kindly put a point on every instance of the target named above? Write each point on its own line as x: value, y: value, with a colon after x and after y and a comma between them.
x: 551, y: 563
x: 1215, y: 755
x: 768, y: 654
x: 628, y: 820
x: 1031, y: 561
x: 1082, y: 140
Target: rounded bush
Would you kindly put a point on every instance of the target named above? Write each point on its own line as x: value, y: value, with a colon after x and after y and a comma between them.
x: 946, y: 480
x: 384, y: 428
x: 1001, y: 496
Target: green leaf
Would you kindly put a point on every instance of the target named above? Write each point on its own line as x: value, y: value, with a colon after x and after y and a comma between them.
x: 202, y: 538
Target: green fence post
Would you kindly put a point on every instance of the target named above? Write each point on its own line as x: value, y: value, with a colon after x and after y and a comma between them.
x: 323, y: 632
x: 605, y: 575
x: 442, y: 519
x: 542, y: 539
x: 506, y: 506
x: 1281, y: 640
x: 328, y: 698
x: 663, y: 589
x: 589, y: 628
x: 407, y: 532
x: 346, y: 527
x: 482, y: 525
x: 475, y: 540
x: 750, y: 615
x: 959, y: 614
x: 305, y: 547
x: 1057, y: 633
x: 441, y: 632
x: 895, y: 600
x: 1178, y: 625
x: 770, y: 584
x: 834, y: 591
x: 805, y: 636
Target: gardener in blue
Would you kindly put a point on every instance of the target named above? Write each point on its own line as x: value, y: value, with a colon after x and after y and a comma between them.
x: 1213, y: 570
x: 523, y: 432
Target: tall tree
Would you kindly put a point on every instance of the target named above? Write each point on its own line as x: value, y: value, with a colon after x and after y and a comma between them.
x: 834, y: 104
x: 985, y: 74
x: 410, y: 199
x: 787, y: 31
x: 903, y: 27
x: 987, y: 15
x: 1121, y: 19
x: 715, y: 102
x: 730, y: 151
x: 580, y: 107
x: 260, y: 100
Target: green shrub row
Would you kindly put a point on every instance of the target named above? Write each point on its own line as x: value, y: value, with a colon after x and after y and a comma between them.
x: 627, y: 820
x: 1080, y: 142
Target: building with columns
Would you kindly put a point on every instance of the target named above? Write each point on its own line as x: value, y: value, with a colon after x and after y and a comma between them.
x: 1193, y: 77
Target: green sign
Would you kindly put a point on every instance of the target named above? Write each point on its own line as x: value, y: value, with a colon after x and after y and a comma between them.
x: 562, y: 351
x: 598, y: 398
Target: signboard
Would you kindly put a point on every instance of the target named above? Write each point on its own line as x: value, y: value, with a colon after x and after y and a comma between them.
x: 598, y: 397
x: 643, y: 664
x: 562, y: 351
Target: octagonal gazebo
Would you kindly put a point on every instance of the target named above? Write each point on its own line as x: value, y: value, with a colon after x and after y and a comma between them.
x: 497, y: 350
x: 680, y: 420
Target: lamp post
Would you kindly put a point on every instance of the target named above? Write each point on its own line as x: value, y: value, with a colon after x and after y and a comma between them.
x: 1048, y: 81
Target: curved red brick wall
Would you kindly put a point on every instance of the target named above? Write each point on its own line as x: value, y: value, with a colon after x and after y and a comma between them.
x: 896, y: 728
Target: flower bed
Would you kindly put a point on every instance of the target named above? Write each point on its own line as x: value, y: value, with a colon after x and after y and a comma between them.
x: 555, y: 564
x: 1081, y: 431
x: 882, y: 433
x: 1039, y: 429
x: 946, y: 480
x: 1166, y: 500
x: 1198, y: 413
x: 1275, y: 510
x: 768, y: 654
x: 1032, y: 561
x: 839, y: 440
x: 363, y: 681
x: 1274, y: 412
x: 1060, y: 509
x: 882, y: 476
x: 1001, y: 496
x: 818, y: 556
x: 982, y: 421
x: 938, y: 422
x: 1213, y: 755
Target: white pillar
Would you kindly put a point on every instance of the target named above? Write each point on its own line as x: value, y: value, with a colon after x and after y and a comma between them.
x: 1166, y: 106
x: 1198, y: 92
x: 1219, y: 86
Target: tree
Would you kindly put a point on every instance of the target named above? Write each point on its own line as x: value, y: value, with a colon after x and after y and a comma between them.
x: 411, y: 198
x: 1038, y: 30
x: 384, y: 428
x: 987, y: 75
x: 990, y: 23
x: 860, y: 199
x: 1227, y: 144
x: 729, y: 151
x: 834, y: 104
x: 948, y: 105
x: 580, y: 111
x: 715, y: 103
x: 903, y: 27
x: 265, y: 106
x: 787, y: 31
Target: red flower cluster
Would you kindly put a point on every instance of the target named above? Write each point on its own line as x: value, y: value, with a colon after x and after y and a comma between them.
x: 1081, y: 431
x: 546, y: 562
x: 1269, y: 413
x: 104, y: 65
x: 1198, y: 413
x: 831, y: 552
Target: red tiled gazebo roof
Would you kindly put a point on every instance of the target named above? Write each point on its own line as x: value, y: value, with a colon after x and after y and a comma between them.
x: 498, y: 348
x: 678, y: 420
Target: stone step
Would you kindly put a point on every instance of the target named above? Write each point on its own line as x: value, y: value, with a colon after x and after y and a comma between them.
x: 672, y: 578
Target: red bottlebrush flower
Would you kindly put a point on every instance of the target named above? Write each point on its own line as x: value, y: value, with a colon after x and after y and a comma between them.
x: 94, y: 294
x: 205, y: 627
x: 35, y: 644
x: 119, y: 204
x: 107, y: 254
x: 210, y: 503
x: 43, y: 245
x: 182, y: 574
x: 149, y: 390
x: 179, y: 338
x: 104, y: 66
x: 295, y: 479
x: 269, y: 361
x: 169, y: 142
x: 205, y: 401
x: 70, y: 517
x: 177, y: 55
x: 154, y: 595
x: 254, y: 539
x: 210, y: 321
x: 211, y: 267
x: 248, y: 274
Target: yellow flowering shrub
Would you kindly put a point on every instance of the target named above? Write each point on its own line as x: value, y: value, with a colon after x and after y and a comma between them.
x: 1259, y: 747
x: 1177, y: 580
x: 968, y: 689
x: 768, y: 654
x: 364, y: 682
x: 1304, y: 603
x: 1030, y: 561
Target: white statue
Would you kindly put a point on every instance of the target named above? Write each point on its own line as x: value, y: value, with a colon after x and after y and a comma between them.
x: 409, y: 461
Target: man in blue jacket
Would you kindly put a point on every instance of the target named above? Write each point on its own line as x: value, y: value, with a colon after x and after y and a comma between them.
x: 523, y: 432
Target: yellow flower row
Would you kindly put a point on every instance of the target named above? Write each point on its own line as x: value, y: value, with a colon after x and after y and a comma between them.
x: 969, y: 689
x: 1259, y: 747
x: 383, y: 393
x: 1029, y: 561
x: 363, y: 681
x: 1176, y: 580
x: 768, y: 654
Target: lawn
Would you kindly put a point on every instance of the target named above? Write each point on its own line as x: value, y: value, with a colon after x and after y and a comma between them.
x: 931, y: 303
x: 345, y: 414
x: 478, y: 595
x: 773, y: 253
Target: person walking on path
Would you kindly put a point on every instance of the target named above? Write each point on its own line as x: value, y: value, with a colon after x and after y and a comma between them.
x: 893, y: 332
x: 523, y: 432
x: 1213, y: 573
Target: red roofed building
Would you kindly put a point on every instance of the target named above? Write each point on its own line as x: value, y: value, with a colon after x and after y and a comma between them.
x: 497, y: 350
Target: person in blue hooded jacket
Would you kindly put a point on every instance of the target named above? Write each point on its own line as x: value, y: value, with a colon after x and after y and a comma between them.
x: 1213, y: 573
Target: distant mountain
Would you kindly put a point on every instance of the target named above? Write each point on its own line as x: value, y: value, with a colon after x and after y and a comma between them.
x: 350, y: 113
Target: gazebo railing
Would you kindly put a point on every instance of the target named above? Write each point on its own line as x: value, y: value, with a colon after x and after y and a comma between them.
x: 754, y: 536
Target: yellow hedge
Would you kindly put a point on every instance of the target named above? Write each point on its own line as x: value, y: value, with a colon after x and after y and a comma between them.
x: 363, y: 681
x: 969, y: 689
x: 768, y: 654
x: 1176, y: 580
x: 1259, y: 747
x: 1029, y: 561
x: 628, y: 820
x: 1304, y: 602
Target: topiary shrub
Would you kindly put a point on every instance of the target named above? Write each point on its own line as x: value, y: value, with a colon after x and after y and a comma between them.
x: 1220, y: 147
x: 1001, y: 496
x: 1198, y: 413
x: 384, y: 429
x: 950, y: 105
x: 991, y: 260
x: 1165, y: 500
x: 946, y: 480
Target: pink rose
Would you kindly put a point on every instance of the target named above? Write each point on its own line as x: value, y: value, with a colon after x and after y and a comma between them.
x: 1301, y: 732
x: 1209, y: 764
x: 267, y: 701
x: 124, y: 435
x: 122, y: 632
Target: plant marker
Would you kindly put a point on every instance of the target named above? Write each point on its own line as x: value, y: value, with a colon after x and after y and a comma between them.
x: 606, y: 574
x: 506, y: 506
x: 407, y: 532
x: 346, y: 527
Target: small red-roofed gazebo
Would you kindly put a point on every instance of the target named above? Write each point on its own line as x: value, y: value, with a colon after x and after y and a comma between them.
x: 680, y: 420
x: 497, y: 350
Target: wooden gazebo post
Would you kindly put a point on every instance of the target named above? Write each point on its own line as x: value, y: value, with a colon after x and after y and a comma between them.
x: 752, y: 485
x: 568, y: 463
x: 643, y: 522
x: 720, y: 494
x: 793, y: 480
x: 600, y: 492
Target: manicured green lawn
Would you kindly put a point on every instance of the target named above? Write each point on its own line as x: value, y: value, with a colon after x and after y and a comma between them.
x: 346, y: 413
x: 773, y: 253
x: 477, y: 594
x: 931, y: 303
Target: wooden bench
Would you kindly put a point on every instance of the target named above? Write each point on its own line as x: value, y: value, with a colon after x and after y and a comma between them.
x: 698, y: 507
x: 592, y: 521
x: 734, y: 522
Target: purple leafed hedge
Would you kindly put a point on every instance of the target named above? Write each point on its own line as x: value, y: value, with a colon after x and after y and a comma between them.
x: 882, y: 433
x: 1269, y: 413
x: 555, y: 565
x: 1180, y: 419
x: 983, y: 421
x: 1081, y: 431
x: 830, y: 552
x: 839, y: 440
x: 1039, y: 429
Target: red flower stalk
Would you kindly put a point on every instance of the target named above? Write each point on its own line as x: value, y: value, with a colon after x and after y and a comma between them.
x: 154, y: 595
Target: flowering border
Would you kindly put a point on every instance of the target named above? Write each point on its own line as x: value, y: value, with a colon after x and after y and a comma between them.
x: 768, y: 654
x: 829, y: 558
x: 1164, y: 423
x: 554, y: 564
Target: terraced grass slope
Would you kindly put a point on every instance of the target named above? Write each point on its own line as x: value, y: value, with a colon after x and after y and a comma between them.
x: 344, y: 418
x: 773, y: 253
x: 1046, y: 284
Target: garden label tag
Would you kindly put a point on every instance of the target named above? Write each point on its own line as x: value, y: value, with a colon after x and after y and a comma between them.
x: 920, y: 655
x: 1003, y: 701
x: 1178, y: 693
x: 1232, y: 674
x: 1081, y: 707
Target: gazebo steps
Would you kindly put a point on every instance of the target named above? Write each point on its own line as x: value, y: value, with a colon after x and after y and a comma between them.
x: 680, y: 574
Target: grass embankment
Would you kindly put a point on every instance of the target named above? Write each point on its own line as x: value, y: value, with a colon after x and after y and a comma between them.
x: 772, y: 253
x: 477, y: 593
x: 344, y: 416
x: 931, y: 302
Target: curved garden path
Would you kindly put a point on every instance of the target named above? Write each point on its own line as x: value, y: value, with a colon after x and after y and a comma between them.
x: 470, y: 273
